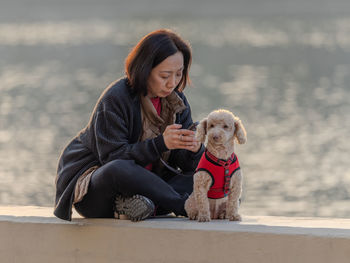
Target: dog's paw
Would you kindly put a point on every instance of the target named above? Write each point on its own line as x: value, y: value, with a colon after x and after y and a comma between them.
x: 203, y: 218
x: 235, y: 217
x: 192, y: 216
x: 222, y: 215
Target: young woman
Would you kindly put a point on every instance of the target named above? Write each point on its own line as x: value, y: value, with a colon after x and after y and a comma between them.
x: 115, y: 165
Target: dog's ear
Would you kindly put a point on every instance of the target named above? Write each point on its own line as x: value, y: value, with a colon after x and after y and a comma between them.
x: 202, y: 130
x: 240, y: 132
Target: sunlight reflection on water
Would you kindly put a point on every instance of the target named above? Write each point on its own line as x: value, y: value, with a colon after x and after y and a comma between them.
x: 286, y: 79
x: 330, y: 33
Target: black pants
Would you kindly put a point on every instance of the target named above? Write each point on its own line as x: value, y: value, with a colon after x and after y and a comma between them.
x: 127, y: 178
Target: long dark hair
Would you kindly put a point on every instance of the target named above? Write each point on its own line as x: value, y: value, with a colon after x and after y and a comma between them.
x: 150, y: 51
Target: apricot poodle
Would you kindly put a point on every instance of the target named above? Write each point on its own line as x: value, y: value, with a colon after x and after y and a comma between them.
x: 218, y: 178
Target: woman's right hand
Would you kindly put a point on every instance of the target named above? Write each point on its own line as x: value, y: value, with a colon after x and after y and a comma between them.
x: 177, y: 138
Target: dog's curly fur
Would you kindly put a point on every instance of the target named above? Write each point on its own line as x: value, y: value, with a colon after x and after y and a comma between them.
x: 220, y: 129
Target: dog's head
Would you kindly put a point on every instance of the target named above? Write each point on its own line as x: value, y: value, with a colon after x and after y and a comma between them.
x: 221, y: 127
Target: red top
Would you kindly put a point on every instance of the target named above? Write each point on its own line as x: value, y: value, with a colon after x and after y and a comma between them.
x: 220, y: 171
x: 158, y: 106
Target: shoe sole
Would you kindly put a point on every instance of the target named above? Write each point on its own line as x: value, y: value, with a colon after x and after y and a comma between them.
x: 136, y: 208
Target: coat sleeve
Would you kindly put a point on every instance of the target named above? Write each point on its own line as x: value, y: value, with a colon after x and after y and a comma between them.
x: 184, y: 159
x: 112, y: 139
x: 114, y: 129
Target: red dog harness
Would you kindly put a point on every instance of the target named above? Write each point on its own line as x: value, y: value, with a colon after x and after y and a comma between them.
x: 220, y: 171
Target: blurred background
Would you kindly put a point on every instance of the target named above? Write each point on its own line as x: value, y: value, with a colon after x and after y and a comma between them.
x: 282, y: 66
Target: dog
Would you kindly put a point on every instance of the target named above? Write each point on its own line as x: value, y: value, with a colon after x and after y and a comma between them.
x: 217, y: 183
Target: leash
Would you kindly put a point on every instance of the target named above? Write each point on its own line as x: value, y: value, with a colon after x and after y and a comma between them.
x: 176, y: 171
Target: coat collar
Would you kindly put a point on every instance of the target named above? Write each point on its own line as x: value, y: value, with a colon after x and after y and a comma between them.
x: 172, y: 103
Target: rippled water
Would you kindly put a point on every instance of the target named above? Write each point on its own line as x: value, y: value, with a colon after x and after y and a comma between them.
x: 284, y: 72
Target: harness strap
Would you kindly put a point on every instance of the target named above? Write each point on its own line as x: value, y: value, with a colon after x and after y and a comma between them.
x: 221, y: 162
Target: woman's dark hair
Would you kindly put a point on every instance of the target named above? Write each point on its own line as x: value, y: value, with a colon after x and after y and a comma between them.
x: 151, y: 51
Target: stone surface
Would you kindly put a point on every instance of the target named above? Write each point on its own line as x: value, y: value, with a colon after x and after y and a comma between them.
x: 33, y: 234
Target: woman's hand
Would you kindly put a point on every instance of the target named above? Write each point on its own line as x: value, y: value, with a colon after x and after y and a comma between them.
x: 177, y: 138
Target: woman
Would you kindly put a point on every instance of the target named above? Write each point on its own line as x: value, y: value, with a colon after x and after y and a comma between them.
x: 115, y: 165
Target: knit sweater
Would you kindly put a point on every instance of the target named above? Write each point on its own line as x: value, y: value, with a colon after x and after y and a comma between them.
x: 113, y: 132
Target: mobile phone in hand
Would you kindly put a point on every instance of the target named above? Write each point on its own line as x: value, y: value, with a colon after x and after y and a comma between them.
x: 193, y: 126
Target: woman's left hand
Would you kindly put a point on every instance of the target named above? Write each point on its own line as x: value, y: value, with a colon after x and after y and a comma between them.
x: 188, y: 140
x: 177, y: 138
x: 192, y: 144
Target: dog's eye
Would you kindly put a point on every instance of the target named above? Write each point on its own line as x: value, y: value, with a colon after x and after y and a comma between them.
x: 211, y: 126
x: 225, y: 126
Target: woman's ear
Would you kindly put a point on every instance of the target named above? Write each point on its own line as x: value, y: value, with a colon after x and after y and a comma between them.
x: 240, y: 132
x: 201, y: 130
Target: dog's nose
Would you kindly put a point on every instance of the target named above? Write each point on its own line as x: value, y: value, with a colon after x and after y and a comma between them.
x: 216, y: 137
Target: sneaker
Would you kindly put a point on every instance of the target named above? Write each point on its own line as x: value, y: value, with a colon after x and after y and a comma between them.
x: 136, y: 208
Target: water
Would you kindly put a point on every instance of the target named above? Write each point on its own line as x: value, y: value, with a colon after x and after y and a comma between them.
x: 283, y: 68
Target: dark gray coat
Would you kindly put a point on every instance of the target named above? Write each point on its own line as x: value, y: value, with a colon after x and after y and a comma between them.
x: 112, y: 133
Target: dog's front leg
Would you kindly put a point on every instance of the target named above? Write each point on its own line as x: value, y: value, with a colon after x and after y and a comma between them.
x: 202, y: 182
x: 233, y: 197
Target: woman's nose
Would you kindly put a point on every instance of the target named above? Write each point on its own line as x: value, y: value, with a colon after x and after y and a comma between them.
x: 171, y: 83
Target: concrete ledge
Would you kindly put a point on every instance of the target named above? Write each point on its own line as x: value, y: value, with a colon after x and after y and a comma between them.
x: 32, y: 234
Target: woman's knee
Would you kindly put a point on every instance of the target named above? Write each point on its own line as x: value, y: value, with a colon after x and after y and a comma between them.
x: 118, y: 167
x: 112, y: 172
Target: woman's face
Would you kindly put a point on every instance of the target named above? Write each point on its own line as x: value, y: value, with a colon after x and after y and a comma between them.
x: 165, y: 77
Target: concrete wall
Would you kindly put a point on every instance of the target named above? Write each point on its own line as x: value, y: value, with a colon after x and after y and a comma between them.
x: 32, y: 234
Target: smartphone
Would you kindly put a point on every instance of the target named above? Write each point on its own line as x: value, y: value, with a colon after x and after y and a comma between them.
x: 193, y: 126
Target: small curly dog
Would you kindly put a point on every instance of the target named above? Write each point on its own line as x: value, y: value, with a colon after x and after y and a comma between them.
x: 218, y: 178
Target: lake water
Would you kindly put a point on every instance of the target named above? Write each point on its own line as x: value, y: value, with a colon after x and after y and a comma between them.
x: 283, y: 67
